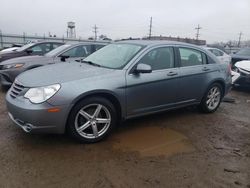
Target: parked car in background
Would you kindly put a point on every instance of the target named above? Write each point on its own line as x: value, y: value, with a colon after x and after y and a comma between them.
x: 241, y: 74
x: 118, y: 82
x: 243, y: 54
x: 222, y: 56
x: 38, y: 48
x: 9, y: 69
x: 9, y: 49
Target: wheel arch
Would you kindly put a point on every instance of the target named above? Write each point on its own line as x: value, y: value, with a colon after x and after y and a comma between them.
x: 218, y: 81
x: 103, y: 94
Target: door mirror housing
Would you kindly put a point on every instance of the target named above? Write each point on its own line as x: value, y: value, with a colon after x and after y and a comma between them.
x: 143, y: 68
x: 64, y: 57
x: 29, y: 51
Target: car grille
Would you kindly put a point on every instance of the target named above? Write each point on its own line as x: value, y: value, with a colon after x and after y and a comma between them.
x: 16, y: 89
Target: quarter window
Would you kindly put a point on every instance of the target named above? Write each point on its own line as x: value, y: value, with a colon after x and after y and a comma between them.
x: 79, y: 51
x: 217, y: 52
x: 160, y: 58
x: 191, y: 57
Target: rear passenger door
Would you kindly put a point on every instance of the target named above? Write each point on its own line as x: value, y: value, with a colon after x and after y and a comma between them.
x: 195, y: 74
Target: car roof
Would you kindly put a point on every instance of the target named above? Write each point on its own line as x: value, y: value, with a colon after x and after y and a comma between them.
x: 212, y: 48
x: 156, y: 43
x: 86, y: 42
x: 40, y: 42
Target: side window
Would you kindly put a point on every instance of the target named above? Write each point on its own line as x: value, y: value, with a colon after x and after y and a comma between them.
x: 41, y: 49
x: 217, y: 52
x: 79, y: 51
x: 160, y: 58
x: 55, y: 45
x: 191, y: 57
x: 98, y: 46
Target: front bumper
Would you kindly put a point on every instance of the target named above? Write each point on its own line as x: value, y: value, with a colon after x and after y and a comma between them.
x: 242, y: 79
x: 35, y: 118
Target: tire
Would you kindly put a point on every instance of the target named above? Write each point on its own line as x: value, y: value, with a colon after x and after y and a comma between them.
x: 92, y: 119
x: 212, y: 98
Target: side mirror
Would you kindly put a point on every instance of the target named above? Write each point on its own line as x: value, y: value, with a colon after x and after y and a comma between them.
x: 64, y: 57
x: 29, y: 51
x: 143, y: 68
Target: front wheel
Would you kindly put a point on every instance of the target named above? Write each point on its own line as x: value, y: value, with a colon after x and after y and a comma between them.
x: 92, y: 119
x: 212, y: 99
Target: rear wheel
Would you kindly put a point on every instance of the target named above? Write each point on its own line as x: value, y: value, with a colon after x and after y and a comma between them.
x: 92, y: 119
x: 212, y: 99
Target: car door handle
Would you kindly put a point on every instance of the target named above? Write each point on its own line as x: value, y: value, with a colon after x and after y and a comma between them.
x: 172, y: 73
x: 205, y: 69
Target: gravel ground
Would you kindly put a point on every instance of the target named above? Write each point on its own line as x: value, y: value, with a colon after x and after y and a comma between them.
x: 181, y: 148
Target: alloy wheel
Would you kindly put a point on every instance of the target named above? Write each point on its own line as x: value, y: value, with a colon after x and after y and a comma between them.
x: 92, y: 121
x: 213, y: 98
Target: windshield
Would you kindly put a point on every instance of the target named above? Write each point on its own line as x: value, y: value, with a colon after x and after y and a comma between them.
x: 114, y: 56
x: 24, y: 47
x: 244, y: 51
x: 57, y: 50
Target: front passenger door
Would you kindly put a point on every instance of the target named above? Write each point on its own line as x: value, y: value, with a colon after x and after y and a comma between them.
x: 155, y: 91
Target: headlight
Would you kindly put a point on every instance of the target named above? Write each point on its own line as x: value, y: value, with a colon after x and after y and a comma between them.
x: 236, y: 69
x: 41, y: 94
x: 10, y: 66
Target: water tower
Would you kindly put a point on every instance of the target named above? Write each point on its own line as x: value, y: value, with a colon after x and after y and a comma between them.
x: 71, y: 30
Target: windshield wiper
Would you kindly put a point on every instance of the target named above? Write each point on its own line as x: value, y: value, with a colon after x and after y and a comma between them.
x: 91, y: 63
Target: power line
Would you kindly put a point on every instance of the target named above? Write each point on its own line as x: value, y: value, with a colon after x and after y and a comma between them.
x: 240, y: 34
x: 150, y: 28
x: 95, y: 31
x: 198, y: 32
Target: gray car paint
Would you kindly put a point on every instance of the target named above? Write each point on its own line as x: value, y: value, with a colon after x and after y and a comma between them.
x: 137, y: 94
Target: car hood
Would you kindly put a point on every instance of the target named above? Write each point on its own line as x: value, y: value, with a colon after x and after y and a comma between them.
x: 27, y: 59
x: 8, y: 53
x: 236, y: 56
x: 243, y: 65
x: 60, y: 73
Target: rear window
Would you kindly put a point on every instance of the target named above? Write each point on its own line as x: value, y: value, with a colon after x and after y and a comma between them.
x: 191, y: 57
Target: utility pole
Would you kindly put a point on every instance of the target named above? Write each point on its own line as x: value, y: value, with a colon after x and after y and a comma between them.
x: 150, y: 28
x: 240, y: 34
x: 1, y: 37
x: 198, y: 32
x: 95, y: 31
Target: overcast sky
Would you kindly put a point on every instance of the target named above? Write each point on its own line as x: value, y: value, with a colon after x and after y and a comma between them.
x: 221, y: 20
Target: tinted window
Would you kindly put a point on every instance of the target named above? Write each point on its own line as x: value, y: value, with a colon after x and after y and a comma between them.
x: 216, y: 52
x: 57, y: 50
x: 55, y: 45
x: 79, y: 51
x: 41, y: 48
x: 190, y: 57
x: 98, y: 46
x: 160, y: 58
